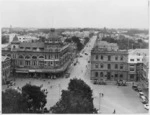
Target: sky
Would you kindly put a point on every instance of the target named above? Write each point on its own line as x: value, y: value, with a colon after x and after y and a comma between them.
x: 74, y: 13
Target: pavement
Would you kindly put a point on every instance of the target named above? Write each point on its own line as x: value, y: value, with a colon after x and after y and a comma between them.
x: 121, y: 99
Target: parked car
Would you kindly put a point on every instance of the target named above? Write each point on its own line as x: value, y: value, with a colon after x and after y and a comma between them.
x: 144, y: 102
x: 134, y: 87
x: 143, y: 97
x: 141, y: 94
x: 86, y: 54
x: 146, y: 106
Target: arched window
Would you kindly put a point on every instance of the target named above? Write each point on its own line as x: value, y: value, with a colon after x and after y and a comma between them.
x: 41, y: 57
x: 96, y: 74
x: 20, y: 57
x: 27, y: 57
x: 101, y: 74
x: 34, y: 57
x: 9, y: 55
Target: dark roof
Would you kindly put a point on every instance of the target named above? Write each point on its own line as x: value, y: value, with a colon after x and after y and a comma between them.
x: 53, y: 36
x: 15, y: 39
x: 30, y: 44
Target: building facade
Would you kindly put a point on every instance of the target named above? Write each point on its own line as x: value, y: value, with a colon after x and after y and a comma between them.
x: 108, y: 63
x: 48, y: 58
x: 6, y: 65
x: 145, y: 73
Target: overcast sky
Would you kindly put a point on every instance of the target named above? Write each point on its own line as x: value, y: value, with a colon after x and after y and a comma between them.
x: 75, y: 13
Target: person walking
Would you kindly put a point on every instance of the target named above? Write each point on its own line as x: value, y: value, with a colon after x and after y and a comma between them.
x: 114, y: 111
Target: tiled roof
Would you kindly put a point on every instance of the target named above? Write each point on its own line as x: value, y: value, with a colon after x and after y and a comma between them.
x: 32, y: 44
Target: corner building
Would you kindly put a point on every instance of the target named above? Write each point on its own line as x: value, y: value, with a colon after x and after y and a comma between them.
x: 48, y: 58
x: 108, y: 63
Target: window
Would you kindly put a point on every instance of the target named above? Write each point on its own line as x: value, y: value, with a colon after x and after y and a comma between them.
x: 109, y: 66
x: 116, y: 58
x: 116, y: 75
x: 131, y: 59
x: 109, y: 58
x: 121, y: 76
x: 14, y: 47
x: 116, y: 66
x: 34, y: 57
x: 121, y: 58
x: 41, y: 57
x: 96, y: 65
x: 101, y: 74
x: 131, y: 65
x: 131, y: 69
x: 121, y: 66
x: 21, y: 57
x: 27, y: 57
x: 96, y: 74
x: 102, y: 66
x: 101, y: 57
x: 138, y: 59
x: 96, y: 57
x: 34, y: 48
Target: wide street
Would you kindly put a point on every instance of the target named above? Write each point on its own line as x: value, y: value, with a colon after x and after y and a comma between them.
x: 122, y: 99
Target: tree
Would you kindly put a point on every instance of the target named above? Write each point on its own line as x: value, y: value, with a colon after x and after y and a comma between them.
x: 13, y: 102
x: 68, y: 40
x: 36, y: 99
x: 77, y: 99
x: 5, y: 39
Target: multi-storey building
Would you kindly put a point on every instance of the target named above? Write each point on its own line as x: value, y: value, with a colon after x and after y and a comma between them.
x: 45, y: 58
x: 135, y: 62
x: 145, y: 73
x: 108, y: 63
x: 6, y: 64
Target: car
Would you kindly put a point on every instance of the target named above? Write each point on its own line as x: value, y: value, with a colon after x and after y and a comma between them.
x: 134, y: 87
x: 86, y: 54
x: 144, y: 102
x: 143, y: 97
x: 146, y: 106
x: 141, y: 94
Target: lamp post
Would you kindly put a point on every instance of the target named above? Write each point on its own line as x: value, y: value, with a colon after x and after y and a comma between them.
x: 99, y: 101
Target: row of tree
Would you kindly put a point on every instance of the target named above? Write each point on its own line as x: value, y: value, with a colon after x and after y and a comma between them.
x: 32, y: 99
x: 126, y: 43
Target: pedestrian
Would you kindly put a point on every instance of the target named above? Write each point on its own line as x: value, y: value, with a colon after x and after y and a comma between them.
x: 114, y: 111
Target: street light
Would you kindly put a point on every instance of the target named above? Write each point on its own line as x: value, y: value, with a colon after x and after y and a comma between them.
x: 99, y: 101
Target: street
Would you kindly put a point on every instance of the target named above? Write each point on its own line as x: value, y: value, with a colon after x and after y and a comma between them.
x: 122, y: 99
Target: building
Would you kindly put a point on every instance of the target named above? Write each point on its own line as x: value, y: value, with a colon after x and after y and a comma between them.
x: 135, y: 62
x: 48, y: 58
x: 135, y: 67
x: 6, y: 65
x: 145, y: 75
x: 108, y: 63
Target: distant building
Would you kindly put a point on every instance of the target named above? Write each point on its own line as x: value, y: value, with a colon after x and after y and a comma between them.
x: 108, y: 63
x: 48, y: 58
x: 6, y: 64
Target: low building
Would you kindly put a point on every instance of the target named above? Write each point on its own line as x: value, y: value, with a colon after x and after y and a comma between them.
x: 6, y: 68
